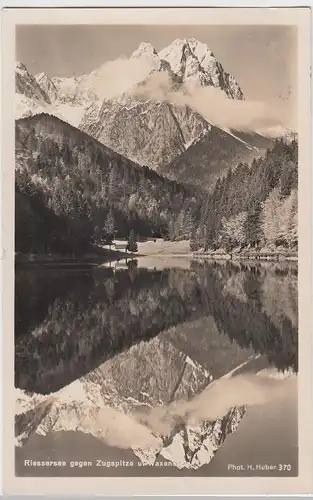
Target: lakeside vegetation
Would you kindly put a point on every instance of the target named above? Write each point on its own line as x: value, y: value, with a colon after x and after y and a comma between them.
x: 74, y: 195
x: 253, y: 209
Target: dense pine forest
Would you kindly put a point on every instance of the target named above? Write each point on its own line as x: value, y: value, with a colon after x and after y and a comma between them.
x: 254, y: 205
x: 72, y: 192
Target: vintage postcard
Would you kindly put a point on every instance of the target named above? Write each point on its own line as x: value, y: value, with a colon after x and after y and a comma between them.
x: 157, y: 243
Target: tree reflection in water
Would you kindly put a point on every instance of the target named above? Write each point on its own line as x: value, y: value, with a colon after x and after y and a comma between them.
x: 68, y: 322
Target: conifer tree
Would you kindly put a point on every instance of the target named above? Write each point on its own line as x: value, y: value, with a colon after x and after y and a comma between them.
x: 195, y: 240
x: 109, y: 227
x: 132, y: 242
x: 253, y: 227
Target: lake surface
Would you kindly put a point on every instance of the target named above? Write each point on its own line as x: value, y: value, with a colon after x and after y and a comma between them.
x: 162, y: 367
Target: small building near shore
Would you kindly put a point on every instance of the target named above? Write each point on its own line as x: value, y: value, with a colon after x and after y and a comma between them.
x: 120, y: 245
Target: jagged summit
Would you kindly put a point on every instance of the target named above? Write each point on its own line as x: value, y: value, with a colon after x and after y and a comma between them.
x: 41, y: 76
x: 195, y: 64
x: 27, y: 86
x: 143, y: 48
x: 147, y: 53
x: 199, y: 48
x: 47, y: 85
x: 43, y: 80
x: 190, y: 62
x: 19, y: 64
x: 183, y: 66
x: 20, y: 68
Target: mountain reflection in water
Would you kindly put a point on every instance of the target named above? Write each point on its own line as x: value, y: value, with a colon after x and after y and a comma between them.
x: 128, y: 357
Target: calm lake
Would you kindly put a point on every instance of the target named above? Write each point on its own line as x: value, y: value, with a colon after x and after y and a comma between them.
x: 157, y: 368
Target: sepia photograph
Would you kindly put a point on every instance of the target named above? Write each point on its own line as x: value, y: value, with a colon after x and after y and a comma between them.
x: 156, y: 304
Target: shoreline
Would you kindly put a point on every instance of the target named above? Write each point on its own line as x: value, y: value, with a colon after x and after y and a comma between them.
x: 89, y: 258
x: 95, y: 260
x: 247, y: 256
x: 160, y: 250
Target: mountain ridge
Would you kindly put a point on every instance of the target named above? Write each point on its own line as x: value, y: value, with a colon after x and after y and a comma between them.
x: 79, y: 90
x: 149, y: 121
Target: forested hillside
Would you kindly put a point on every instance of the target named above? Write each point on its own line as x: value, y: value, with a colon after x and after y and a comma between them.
x: 73, y: 191
x: 253, y: 205
x: 208, y: 159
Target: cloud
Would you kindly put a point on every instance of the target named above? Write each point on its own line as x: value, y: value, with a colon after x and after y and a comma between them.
x: 217, y: 108
x: 143, y: 428
x: 123, y: 75
x: 123, y: 431
x: 215, y: 401
x: 214, y: 105
x: 116, y: 77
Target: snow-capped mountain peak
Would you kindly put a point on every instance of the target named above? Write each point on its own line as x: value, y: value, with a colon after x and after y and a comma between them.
x: 147, y: 53
x: 41, y: 77
x: 200, y: 50
x: 184, y: 65
x: 144, y: 48
x: 186, y: 61
x: 26, y: 84
x: 47, y: 85
x: 179, y: 55
x: 195, y: 64
x: 191, y: 63
x: 277, y: 132
x: 20, y: 68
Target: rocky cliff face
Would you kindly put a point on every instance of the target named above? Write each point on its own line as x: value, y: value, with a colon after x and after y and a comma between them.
x: 154, y: 132
x: 47, y: 85
x: 27, y: 85
x: 65, y: 98
x: 30, y: 97
x: 155, y: 129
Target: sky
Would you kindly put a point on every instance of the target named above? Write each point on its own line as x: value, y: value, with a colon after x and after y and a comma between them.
x: 263, y: 59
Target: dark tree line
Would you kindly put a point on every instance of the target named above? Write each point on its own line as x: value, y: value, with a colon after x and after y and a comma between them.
x: 238, y: 210
x: 93, y: 193
x: 73, y: 192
